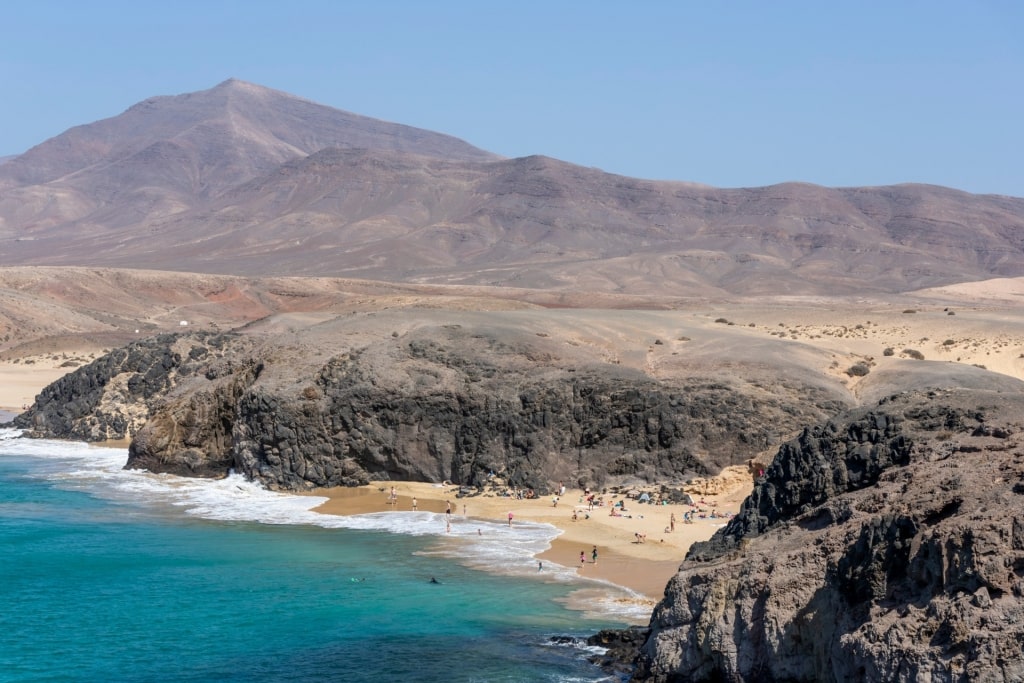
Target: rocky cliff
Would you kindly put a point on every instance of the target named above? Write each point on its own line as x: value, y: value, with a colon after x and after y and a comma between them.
x: 886, y: 545
x: 436, y: 402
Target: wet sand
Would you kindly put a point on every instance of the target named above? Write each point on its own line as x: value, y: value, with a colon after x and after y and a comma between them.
x: 642, y: 563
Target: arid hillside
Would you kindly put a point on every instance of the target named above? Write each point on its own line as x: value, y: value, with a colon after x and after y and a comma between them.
x: 244, y: 180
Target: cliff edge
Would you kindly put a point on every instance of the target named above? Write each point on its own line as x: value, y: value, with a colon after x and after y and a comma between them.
x: 419, y: 396
x: 884, y: 545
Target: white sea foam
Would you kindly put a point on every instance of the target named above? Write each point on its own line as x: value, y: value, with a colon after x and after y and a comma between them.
x: 481, y: 544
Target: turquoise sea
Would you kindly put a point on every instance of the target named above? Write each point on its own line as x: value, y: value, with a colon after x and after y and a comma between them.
x: 109, y: 575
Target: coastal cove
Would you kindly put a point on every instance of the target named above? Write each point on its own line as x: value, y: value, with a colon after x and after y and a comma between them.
x: 153, y: 558
x: 131, y: 576
x: 289, y: 393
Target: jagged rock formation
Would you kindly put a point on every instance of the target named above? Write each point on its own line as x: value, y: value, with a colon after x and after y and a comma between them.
x: 448, y: 402
x: 888, y: 545
x: 114, y: 396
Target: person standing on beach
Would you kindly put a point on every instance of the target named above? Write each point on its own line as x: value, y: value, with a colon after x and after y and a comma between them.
x: 510, y: 520
x: 583, y: 559
x: 448, y: 511
x: 672, y: 522
x: 593, y: 555
x: 414, y: 505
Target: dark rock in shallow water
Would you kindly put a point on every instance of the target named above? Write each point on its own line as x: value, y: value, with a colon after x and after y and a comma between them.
x: 882, y: 546
x: 623, y: 647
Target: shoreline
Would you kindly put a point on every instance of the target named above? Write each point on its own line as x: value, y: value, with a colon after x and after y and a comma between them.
x: 644, y: 568
x: 637, y: 550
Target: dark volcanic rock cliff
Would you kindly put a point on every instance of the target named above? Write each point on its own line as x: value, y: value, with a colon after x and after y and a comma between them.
x: 888, y: 545
x: 115, y: 395
x: 447, y: 402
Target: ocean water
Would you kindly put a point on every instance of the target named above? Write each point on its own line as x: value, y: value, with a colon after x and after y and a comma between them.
x: 108, y: 575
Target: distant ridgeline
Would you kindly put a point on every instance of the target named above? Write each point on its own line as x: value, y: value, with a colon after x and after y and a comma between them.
x: 192, y: 182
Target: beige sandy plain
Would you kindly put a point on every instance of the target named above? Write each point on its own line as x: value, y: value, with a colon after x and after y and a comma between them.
x: 19, y: 384
x: 986, y: 330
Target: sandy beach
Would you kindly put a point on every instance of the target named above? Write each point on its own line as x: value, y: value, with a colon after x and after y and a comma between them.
x: 642, y: 563
x: 20, y: 383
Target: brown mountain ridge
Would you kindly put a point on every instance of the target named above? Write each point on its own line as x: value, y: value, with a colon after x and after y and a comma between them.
x: 245, y: 180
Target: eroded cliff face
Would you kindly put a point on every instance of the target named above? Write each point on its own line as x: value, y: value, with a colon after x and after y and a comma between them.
x: 114, y: 396
x: 888, y: 545
x: 441, y: 403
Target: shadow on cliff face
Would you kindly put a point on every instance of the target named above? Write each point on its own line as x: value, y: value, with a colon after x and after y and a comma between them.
x: 886, y: 575
x: 441, y: 401
x: 809, y: 473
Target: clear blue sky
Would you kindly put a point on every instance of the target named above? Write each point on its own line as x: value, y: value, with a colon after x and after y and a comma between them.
x: 724, y: 93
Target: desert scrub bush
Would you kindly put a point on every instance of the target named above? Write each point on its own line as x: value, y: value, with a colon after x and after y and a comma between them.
x: 910, y: 310
x: 913, y: 353
x: 888, y: 351
x: 858, y: 370
x: 948, y: 342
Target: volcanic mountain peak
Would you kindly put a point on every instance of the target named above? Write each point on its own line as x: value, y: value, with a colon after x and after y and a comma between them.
x: 257, y: 126
x: 244, y: 179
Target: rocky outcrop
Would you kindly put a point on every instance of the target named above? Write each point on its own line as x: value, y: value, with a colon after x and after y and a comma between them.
x: 620, y: 648
x: 443, y: 403
x: 884, y: 546
x: 114, y: 396
x: 591, y: 427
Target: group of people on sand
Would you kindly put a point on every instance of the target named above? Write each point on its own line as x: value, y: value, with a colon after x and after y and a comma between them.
x: 519, y: 494
x: 617, y: 509
x: 704, y: 514
x: 583, y: 557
